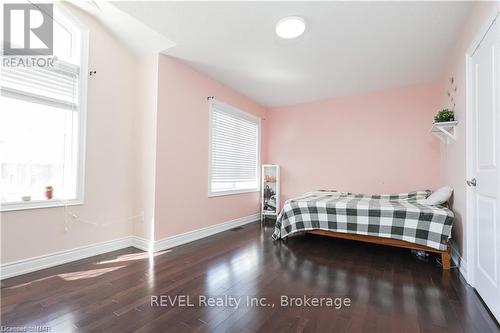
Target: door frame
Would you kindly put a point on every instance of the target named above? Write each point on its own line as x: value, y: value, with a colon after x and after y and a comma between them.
x: 470, y: 235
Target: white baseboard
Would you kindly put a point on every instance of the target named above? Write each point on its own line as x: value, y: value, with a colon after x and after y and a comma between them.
x: 459, y: 261
x: 142, y: 243
x: 24, y: 266
x: 58, y: 258
x: 191, y: 236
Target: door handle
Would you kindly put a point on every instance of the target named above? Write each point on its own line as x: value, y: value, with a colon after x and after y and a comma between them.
x: 472, y: 182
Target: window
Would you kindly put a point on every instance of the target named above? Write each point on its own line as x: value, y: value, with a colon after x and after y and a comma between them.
x: 234, y: 150
x: 42, y: 124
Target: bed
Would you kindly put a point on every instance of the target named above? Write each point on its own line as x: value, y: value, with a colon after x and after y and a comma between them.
x: 401, y: 220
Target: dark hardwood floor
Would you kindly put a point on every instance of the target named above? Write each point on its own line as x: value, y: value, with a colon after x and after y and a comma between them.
x: 389, y: 289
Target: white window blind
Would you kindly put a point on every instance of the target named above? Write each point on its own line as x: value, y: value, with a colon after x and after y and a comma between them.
x: 54, y: 86
x: 42, y: 123
x: 234, y: 150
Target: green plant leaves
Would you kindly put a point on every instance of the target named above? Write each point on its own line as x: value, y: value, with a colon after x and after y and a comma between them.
x: 444, y: 115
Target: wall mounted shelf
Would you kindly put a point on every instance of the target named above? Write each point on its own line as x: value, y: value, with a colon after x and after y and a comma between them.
x: 445, y: 131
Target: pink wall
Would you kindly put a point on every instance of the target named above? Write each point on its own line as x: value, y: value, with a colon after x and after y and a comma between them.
x: 109, y: 164
x: 182, y: 202
x: 145, y: 144
x: 373, y: 143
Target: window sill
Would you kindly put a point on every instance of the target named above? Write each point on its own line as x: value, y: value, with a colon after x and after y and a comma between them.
x: 232, y: 192
x: 24, y: 205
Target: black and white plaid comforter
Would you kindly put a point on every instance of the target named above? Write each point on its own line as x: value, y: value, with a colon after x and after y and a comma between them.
x: 403, y: 216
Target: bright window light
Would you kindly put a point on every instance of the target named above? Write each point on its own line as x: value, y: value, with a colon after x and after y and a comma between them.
x: 290, y: 27
x: 41, y: 126
x: 234, y: 150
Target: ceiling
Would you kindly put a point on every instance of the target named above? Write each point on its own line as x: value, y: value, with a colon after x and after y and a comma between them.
x: 138, y: 37
x: 347, y: 48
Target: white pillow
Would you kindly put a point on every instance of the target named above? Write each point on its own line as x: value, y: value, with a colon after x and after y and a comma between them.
x: 440, y: 196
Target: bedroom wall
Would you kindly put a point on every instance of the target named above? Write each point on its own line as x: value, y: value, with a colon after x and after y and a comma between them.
x: 372, y: 143
x: 453, y: 156
x: 182, y: 203
x: 145, y: 128
x: 109, y: 167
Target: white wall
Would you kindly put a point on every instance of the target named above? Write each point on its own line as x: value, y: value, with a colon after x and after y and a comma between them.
x: 109, y: 183
x: 453, y: 156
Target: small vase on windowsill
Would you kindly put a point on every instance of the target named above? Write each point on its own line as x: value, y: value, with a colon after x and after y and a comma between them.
x: 49, y: 192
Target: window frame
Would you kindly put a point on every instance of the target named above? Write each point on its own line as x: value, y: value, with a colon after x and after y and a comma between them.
x: 82, y: 120
x: 231, y: 109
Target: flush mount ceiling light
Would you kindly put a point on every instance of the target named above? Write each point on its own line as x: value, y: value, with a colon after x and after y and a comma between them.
x: 290, y: 27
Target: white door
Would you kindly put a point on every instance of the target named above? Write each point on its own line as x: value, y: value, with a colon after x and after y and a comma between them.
x: 485, y: 79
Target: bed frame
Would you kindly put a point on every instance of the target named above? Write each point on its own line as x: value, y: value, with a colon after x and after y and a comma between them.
x: 445, y: 255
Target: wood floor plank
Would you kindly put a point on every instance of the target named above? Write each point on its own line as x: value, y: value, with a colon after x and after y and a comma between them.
x: 390, y: 290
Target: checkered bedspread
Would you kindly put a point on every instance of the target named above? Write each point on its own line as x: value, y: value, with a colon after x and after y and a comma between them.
x: 403, y: 216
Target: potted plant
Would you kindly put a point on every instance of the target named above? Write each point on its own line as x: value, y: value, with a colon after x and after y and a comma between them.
x: 444, y: 115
